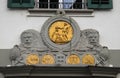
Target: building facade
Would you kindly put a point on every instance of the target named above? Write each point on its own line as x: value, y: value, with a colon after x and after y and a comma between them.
x: 82, y: 16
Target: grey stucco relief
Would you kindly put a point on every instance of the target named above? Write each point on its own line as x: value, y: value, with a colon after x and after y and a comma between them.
x: 113, y: 58
x: 83, y: 42
x: 53, y: 46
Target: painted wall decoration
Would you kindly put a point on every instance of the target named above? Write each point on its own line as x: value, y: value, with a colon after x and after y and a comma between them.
x: 60, y: 42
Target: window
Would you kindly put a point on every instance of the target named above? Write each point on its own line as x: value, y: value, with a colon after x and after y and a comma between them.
x: 48, y: 3
x: 75, y: 4
x: 43, y: 3
x: 54, y: 4
x: 63, y: 4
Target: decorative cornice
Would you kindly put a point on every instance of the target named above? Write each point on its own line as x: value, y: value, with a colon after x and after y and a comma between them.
x: 88, y: 71
x: 51, y: 12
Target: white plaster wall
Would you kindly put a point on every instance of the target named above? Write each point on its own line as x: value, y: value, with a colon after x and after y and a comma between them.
x: 14, y: 22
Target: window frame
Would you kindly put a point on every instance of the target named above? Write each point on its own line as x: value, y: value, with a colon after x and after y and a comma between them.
x: 61, y: 5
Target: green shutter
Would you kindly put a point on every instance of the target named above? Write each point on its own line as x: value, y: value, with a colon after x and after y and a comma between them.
x: 100, y: 4
x: 14, y: 3
x: 20, y: 4
x: 28, y: 3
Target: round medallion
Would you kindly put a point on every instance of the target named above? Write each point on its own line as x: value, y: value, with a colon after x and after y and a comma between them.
x: 60, y: 32
x: 73, y: 59
x: 48, y: 59
x: 32, y: 59
x: 88, y: 59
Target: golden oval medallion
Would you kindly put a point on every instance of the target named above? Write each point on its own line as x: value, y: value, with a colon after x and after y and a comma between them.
x: 60, y: 32
x: 48, y: 59
x: 32, y: 59
x: 73, y: 59
x: 88, y: 59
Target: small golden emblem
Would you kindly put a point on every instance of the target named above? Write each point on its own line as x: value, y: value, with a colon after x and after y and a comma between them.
x: 73, y: 59
x: 88, y: 59
x: 48, y: 59
x: 32, y: 59
x: 60, y: 32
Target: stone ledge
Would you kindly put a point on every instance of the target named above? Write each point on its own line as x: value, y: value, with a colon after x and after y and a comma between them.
x: 36, y: 12
x: 47, y: 71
